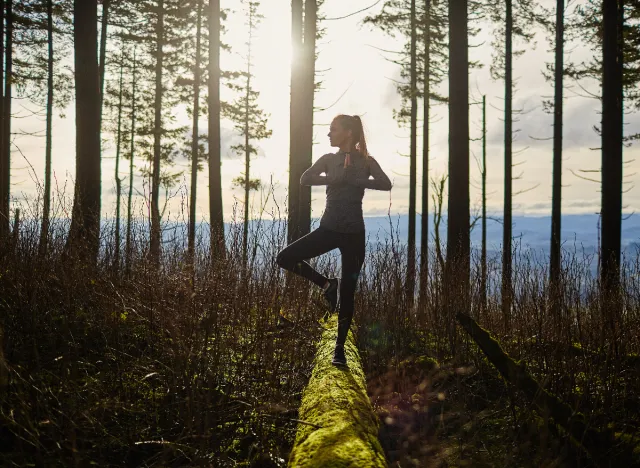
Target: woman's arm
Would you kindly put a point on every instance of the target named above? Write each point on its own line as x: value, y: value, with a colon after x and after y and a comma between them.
x: 312, y: 175
x: 380, y: 180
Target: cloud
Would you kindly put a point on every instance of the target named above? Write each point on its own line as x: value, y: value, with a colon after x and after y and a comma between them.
x: 229, y: 138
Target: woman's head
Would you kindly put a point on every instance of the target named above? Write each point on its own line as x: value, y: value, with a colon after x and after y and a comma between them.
x: 346, y: 131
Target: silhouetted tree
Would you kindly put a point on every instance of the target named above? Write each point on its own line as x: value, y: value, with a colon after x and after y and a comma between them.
x: 218, y: 248
x: 413, y: 125
x: 425, y: 28
x: 556, y: 196
x: 132, y: 141
x: 296, y: 165
x: 612, y: 28
x: 308, y: 87
x: 5, y: 147
x: 119, y: 142
x: 513, y: 17
x: 195, y: 143
x: 39, y: 76
x: 612, y: 137
x: 458, y: 248
x: 85, y: 223
x: 249, y: 119
x: 433, y: 36
x: 483, y: 251
x: 104, y: 31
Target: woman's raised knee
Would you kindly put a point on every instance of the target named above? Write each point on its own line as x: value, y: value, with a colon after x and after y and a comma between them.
x: 282, y: 259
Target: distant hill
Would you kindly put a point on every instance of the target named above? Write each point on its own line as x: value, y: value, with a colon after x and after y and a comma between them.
x: 530, y: 231
x: 531, y: 234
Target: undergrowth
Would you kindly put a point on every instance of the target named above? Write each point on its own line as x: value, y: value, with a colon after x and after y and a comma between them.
x: 168, y: 365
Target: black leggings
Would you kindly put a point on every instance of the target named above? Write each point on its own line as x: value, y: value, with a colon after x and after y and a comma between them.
x: 318, y: 242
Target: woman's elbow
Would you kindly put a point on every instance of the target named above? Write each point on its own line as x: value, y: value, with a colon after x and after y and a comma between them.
x: 387, y: 186
x: 304, y: 180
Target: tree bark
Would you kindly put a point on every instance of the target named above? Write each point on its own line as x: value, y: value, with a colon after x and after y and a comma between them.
x: 295, y: 145
x: 424, y: 229
x: 103, y: 51
x: 612, y: 132
x: 5, y: 150
x: 457, y: 265
x: 215, y: 162
x: 306, y: 105
x: 508, y: 165
x: 411, y: 244
x: 4, y: 213
x: 556, y: 197
x: 85, y: 224
x: 46, y: 210
x: 116, y: 262
x: 483, y: 253
x: 128, y: 244
x: 157, y: 139
x: 247, y: 148
x: 194, y: 142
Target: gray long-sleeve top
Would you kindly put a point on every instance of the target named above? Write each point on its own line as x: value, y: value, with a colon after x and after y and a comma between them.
x: 345, y: 188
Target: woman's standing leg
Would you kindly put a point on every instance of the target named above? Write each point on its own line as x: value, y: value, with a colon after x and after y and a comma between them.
x: 352, y: 249
x: 293, y: 256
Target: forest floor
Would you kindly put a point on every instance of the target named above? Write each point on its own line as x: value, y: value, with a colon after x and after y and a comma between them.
x: 164, y: 367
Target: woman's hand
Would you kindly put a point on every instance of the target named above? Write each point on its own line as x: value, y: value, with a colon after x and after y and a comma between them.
x: 350, y: 173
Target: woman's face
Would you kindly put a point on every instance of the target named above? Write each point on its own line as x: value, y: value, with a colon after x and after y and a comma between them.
x: 338, y: 135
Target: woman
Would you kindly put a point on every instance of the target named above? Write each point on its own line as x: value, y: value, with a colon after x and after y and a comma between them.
x: 346, y: 176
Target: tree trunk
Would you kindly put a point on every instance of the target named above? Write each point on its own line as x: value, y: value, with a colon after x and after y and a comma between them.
x: 612, y: 121
x: 46, y: 210
x: 4, y: 213
x: 215, y: 162
x: 508, y: 135
x: 247, y: 154
x: 5, y: 150
x: 343, y: 397
x: 457, y: 264
x: 483, y: 254
x: 424, y: 230
x: 556, y: 197
x: 295, y: 147
x: 157, y: 136
x: 85, y: 224
x: 306, y: 131
x: 103, y: 51
x: 116, y: 262
x: 133, y: 139
x: 411, y: 244
x: 194, y: 142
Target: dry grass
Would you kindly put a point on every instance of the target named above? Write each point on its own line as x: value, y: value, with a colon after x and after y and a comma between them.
x: 173, y: 367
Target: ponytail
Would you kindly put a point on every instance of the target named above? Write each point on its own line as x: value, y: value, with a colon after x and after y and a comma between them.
x: 354, y: 123
x: 361, y: 143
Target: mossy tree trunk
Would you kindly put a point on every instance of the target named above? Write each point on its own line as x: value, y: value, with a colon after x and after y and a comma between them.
x: 606, y: 447
x: 340, y: 428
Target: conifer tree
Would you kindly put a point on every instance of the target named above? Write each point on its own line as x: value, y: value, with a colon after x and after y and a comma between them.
x: 250, y: 121
x: 425, y: 23
x: 216, y: 218
x: 513, y: 18
x: 39, y: 75
x: 5, y: 127
x: 458, y: 241
x: 85, y: 222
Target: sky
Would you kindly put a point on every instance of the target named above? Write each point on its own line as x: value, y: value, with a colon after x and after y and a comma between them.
x: 359, y: 79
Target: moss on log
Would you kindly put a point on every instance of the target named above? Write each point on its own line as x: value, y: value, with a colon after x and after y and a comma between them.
x: 605, y: 447
x: 340, y: 428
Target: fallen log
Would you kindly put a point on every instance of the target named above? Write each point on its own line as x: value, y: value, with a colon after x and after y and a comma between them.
x: 605, y: 447
x: 341, y: 428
